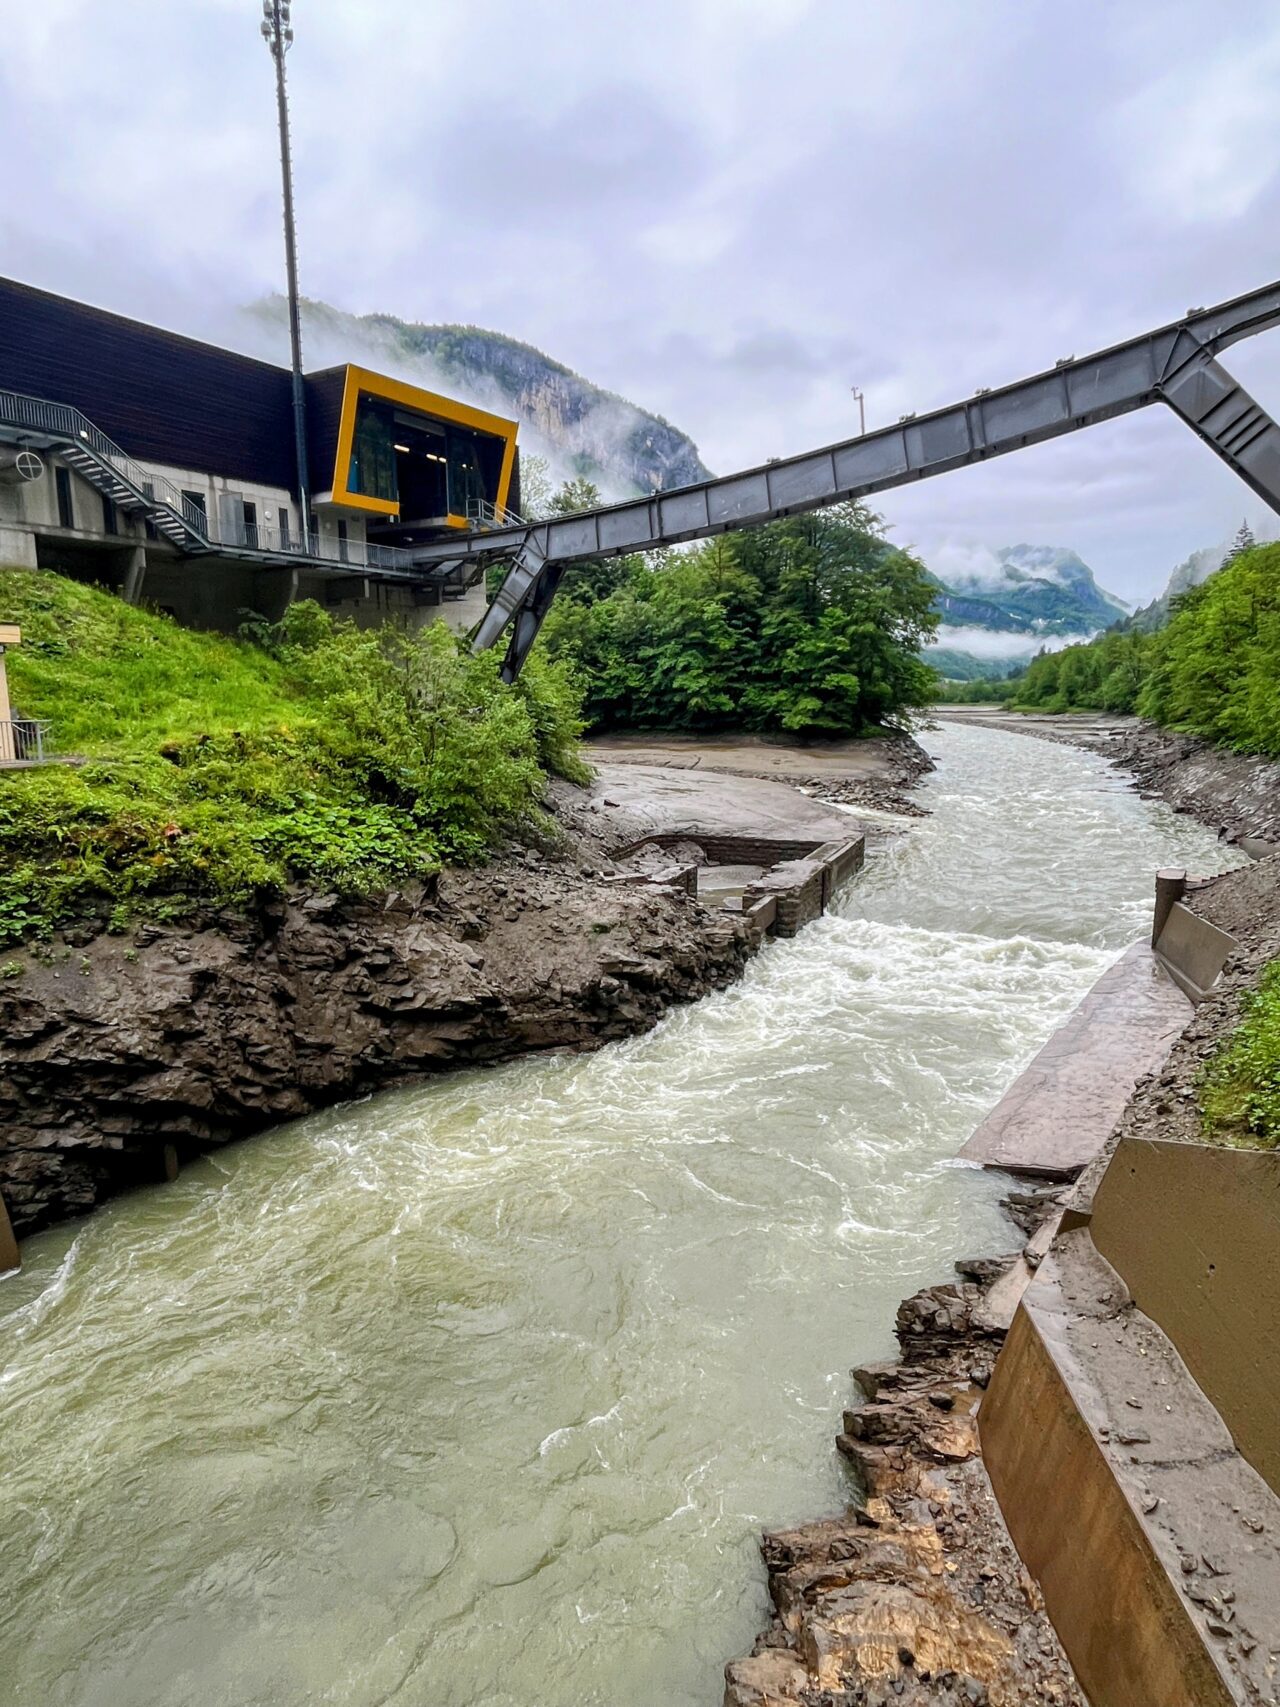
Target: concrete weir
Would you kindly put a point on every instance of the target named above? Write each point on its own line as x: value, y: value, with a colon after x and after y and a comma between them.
x: 1057, y: 1115
x: 1130, y: 1428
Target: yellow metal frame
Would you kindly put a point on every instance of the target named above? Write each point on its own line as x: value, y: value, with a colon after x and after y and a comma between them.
x: 377, y: 385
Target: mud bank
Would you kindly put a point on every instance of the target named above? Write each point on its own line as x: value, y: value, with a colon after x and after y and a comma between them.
x: 120, y: 1056
x: 1238, y: 794
x: 872, y: 773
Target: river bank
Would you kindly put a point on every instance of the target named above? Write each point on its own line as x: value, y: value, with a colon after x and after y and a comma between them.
x: 123, y: 1056
x: 876, y: 773
x: 915, y: 1592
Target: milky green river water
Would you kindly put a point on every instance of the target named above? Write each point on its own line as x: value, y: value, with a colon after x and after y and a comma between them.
x: 479, y: 1392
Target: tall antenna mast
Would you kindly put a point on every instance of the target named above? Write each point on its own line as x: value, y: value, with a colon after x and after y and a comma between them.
x: 277, y: 32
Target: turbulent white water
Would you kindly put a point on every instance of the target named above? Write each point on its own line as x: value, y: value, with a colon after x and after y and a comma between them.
x: 478, y: 1393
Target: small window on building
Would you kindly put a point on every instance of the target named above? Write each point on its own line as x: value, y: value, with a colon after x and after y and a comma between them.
x: 110, y: 521
x: 197, y: 502
x: 285, y: 541
x: 342, y: 541
x: 250, y: 524
x: 62, y: 485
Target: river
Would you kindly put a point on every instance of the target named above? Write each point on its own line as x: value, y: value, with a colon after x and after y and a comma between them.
x: 479, y: 1392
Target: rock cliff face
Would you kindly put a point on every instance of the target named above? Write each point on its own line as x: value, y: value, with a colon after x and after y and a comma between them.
x: 580, y: 428
x: 112, y: 1050
x: 1193, y: 571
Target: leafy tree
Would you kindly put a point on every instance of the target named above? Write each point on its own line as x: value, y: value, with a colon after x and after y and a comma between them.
x: 1213, y: 671
x: 811, y: 625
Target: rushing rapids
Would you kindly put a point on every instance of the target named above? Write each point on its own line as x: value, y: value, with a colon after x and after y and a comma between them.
x: 479, y: 1392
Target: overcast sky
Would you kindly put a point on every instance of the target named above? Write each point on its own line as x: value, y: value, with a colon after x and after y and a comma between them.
x: 730, y: 211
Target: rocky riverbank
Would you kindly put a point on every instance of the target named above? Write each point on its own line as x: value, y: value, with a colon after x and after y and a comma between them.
x: 120, y: 1055
x: 915, y: 1593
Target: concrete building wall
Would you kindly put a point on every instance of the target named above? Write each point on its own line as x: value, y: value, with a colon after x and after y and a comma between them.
x: 206, y: 592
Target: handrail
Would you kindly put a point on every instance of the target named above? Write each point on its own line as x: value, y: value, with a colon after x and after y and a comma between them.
x: 480, y: 510
x: 22, y: 740
x: 350, y: 553
x: 65, y: 421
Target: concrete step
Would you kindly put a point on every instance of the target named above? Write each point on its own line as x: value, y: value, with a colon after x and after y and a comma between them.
x: 1058, y: 1114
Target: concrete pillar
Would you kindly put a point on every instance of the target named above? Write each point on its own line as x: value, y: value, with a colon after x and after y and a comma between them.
x: 17, y: 547
x: 135, y: 571
x: 8, y: 746
x: 1171, y: 886
x: 9, y: 1258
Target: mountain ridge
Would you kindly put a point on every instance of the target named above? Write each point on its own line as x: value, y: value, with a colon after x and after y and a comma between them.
x: 582, y: 430
x: 1040, y: 592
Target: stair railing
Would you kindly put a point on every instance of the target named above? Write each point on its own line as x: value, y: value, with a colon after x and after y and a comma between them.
x: 63, y: 421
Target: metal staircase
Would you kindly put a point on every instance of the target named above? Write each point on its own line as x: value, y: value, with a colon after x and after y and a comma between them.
x: 84, y: 447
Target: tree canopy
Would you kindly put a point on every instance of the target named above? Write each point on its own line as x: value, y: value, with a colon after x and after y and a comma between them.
x: 811, y: 626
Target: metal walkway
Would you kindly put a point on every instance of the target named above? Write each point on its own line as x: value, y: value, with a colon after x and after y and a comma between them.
x: 1175, y: 365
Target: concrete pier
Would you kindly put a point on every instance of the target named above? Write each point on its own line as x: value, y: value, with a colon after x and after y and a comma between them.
x: 1058, y: 1114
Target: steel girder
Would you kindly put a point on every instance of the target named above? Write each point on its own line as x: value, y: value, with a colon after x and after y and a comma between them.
x: 1175, y: 365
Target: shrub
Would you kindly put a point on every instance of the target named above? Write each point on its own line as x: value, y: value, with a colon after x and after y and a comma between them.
x: 223, y: 771
x: 1240, y: 1087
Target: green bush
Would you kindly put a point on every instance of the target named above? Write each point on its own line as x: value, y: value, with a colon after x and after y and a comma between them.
x: 1239, y: 1090
x: 219, y: 770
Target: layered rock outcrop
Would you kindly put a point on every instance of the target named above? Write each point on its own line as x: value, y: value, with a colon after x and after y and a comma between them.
x: 113, y: 1049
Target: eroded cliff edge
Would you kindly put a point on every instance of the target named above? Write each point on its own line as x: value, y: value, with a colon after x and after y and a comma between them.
x: 120, y: 1055
x: 113, y: 1048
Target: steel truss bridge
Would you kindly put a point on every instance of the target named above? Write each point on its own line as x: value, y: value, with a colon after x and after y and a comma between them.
x: 1176, y: 365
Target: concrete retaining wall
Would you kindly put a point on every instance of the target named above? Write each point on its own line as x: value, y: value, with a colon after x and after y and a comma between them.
x: 802, y: 887
x: 1131, y: 1429
x: 1194, y: 1232
x: 731, y: 850
x: 799, y: 880
x: 1126, y: 1629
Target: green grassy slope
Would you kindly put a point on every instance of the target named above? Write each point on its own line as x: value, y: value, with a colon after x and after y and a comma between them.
x: 219, y: 771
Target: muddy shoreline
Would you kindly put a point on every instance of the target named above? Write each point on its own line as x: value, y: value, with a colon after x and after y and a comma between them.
x: 123, y: 1055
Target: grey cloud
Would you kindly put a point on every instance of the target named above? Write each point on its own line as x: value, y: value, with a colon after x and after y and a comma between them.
x: 728, y: 212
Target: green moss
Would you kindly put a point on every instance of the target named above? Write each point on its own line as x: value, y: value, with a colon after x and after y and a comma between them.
x: 220, y: 770
x: 1239, y: 1089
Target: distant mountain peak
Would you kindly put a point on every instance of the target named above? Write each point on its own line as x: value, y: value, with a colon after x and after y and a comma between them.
x: 999, y: 608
